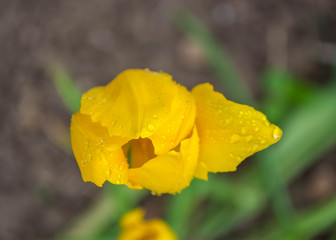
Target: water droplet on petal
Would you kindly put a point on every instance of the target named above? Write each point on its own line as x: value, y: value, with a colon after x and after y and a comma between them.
x: 118, y: 181
x: 244, y: 130
x: 155, y: 116
x: 108, y: 172
x: 235, y: 138
x: 150, y: 127
x: 262, y: 141
x: 277, y: 133
x: 249, y: 138
x: 256, y: 129
x: 228, y: 121
x: 164, y: 137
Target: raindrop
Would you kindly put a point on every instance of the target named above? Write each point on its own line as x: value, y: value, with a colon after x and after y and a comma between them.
x: 249, y: 138
x: 235, y: 138
x: 244, y: 130
x: 277, y: 133
x: 155, y: 116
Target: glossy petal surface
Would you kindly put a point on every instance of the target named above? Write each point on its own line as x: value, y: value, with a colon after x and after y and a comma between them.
x: 229, y: 132
x: 98, y: 155
x: 139, y: 102
x: 170, y: 172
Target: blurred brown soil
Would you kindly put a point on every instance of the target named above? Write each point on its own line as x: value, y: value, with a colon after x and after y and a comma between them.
x: 41, y: 189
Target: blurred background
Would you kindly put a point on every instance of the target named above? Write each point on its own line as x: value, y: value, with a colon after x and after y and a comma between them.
x: 278, y: 56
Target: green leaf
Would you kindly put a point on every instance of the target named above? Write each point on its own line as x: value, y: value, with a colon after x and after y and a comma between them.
x: 66, y: 88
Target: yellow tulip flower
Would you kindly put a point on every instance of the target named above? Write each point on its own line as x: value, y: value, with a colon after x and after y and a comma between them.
x: 146, y: 131
x: 133, y: 227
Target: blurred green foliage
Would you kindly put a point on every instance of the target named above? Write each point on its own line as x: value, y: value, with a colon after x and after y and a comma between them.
x: 217, y: 208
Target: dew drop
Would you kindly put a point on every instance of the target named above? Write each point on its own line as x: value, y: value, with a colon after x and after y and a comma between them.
x: 121, y: 168
x: 244, y: 130
x: 118, y: 181
x: 277, y: 133
x: 256, y: 129
x: 241, y: 122
x: 150, y: 127
x: 249, y: 138
x: 164, y: 137
x: 108, y: 172
x: 235, y: 138
x: 262, y: 141
x: 155, y: 116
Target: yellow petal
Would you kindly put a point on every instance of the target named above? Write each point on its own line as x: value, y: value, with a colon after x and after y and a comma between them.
x: 99, y: 156
x: 229, y: 132
x: 133, y: 226
x: 134, y: 104
x: 178, y: 124
x: 170, y: 172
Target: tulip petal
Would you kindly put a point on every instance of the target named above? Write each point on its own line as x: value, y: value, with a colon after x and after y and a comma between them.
x: 99, y: 156
x: 229, y: 132
x: 170, y: 172
x: 134, y: 226
x: 179, y: 123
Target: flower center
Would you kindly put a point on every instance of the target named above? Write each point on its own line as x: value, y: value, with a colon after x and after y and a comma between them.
x: 139, y: 151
